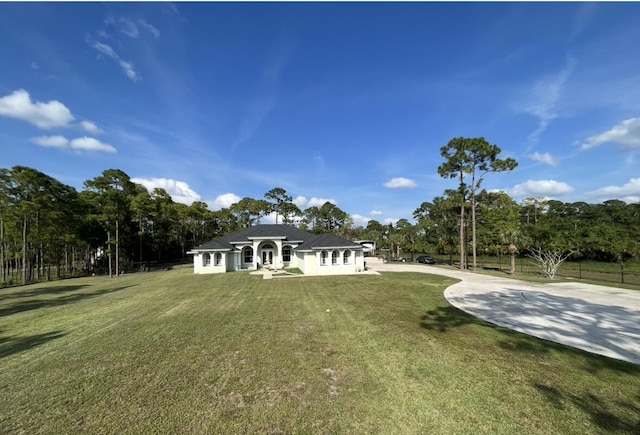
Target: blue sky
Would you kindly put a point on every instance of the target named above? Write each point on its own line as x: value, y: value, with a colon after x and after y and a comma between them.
x: 347, y: 102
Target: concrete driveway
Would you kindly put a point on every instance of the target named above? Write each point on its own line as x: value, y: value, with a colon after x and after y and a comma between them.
x: 598, y: 319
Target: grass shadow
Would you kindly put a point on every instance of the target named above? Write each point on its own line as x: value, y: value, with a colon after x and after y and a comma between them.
x: 12, y: 344
x: 445, y: 318
x: 35, y: 304
x: 52, y: 290
x: 617, y: 416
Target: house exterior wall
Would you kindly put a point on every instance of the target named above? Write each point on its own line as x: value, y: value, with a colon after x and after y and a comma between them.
x: 313, y: 263
x: 201, y: 267
x: 310, y: 263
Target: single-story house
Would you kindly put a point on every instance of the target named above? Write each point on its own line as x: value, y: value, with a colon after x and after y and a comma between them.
x: 279, y: 247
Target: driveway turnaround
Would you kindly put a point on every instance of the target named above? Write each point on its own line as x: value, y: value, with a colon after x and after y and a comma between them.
x: 598, y: 319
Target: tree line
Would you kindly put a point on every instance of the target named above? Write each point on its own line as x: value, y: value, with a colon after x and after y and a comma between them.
x: 49, y: 229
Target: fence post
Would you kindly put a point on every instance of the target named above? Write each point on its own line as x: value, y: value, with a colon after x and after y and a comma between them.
x: 580, y: 268
x: 622, y: 271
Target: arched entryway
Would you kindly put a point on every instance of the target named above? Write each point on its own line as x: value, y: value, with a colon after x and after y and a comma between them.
x: 268, y: 254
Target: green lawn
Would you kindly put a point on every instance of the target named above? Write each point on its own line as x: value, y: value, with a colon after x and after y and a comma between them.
x: 170, y: 352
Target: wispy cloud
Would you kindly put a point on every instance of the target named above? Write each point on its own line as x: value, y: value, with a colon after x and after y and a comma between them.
x: 545, y: 158
x: 127, y: 67
x: 128, y: 27
x: 627, y: 134
x: 542, y: 97
x: 400, y: 183
x: 581, y: 19
x: 179, y: 190
x: 375, y: 213
x: 18, y: 105
x: 150, y: 28
x: 262, y: 105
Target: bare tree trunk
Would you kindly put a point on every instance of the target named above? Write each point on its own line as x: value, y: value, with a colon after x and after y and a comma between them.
x: 117, y: 250
x: 3, y: 276
x: 109, y: 250
x: 463, y: 263
x: 512, y: 254
x: 24, y: 250
x: 473, y: 228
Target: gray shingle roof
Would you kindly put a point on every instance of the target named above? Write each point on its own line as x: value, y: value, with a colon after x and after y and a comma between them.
x: 287, y: 232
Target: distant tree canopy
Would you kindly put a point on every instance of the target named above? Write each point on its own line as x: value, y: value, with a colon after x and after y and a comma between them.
x: 48, y: 229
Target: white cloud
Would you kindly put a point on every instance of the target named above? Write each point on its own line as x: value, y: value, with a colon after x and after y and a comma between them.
x: 51, y: 141
x: 319, y: 202
x: 375, y: 212
x: 545, y: 158
x: 400, y: 183
x: 391, y: 221
x: 127, y: 67
x: 223, y: 201
x: 360, y: 220
x: 91, y: 128
x: 179, y: 190
x: 152, y: 29
x: 629, y: 192
x: 81, y: 144
x: 18, y: 105
x: 533, y: 188
x: 627, y: 134
x: 90, y: 144
x: 300, y: 201
x: 270, y: 219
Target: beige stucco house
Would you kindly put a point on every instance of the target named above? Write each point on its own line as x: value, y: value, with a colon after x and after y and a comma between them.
x: 279, y: 247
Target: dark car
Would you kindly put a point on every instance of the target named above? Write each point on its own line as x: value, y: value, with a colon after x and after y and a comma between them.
x: 395, y: 260
x: 425, y: 259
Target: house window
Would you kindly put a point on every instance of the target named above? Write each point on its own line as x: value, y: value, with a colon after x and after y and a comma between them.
x: 248, y: 254
x: 218, y: 259
x: 267, y: 246
x: 334, y: 258
x: 206, y: 259
x: 323, y: 258
x: 286, y: 253
x: 346, y: 256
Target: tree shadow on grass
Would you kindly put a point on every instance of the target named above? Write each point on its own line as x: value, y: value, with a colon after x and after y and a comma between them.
x: 12, y: 344
x: 611, y: 416
x: 35, y: 304
x: 445, y: 318
x: 51, y: 290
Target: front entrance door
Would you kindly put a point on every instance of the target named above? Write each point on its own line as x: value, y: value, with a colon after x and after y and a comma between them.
x: 267, y: 254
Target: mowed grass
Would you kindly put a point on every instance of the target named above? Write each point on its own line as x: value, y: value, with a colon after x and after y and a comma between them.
x: 170, y: 352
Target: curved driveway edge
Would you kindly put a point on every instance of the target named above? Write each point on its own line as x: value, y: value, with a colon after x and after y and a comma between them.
x: 597, y: 319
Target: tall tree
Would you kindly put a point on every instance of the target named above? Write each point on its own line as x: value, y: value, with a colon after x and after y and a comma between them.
x: 112, y: 192
x: 327, y: 218
x: 248, y: 211
x: 469, y: 160
x: 277, y: 197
